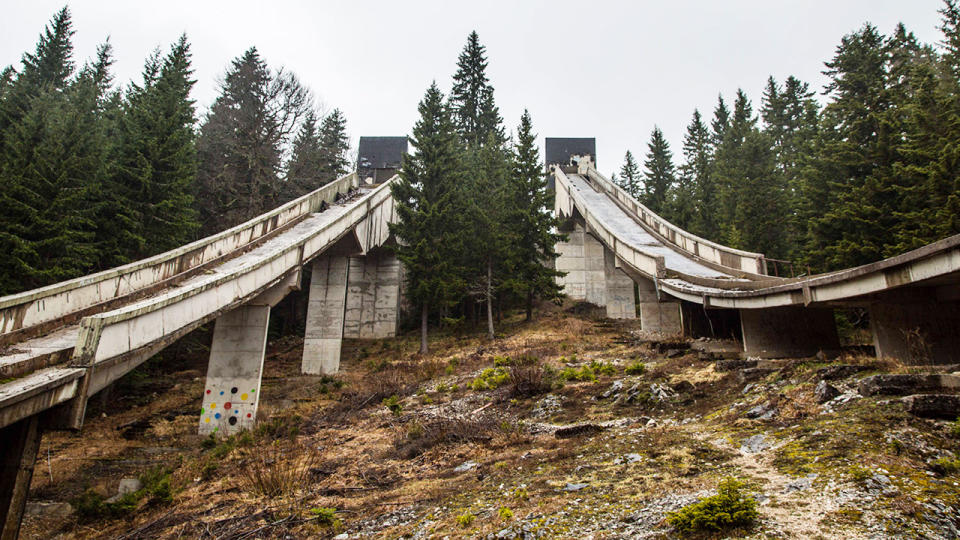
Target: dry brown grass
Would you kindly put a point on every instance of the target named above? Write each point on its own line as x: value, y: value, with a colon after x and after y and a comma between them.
x: 276, y: 469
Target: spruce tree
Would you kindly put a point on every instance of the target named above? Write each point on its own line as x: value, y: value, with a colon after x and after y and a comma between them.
x: 629, y: 178
x: 694, y: 200
x: 306, y: 170
x: 474, y: 111
x: 534, y: 226
x: 334, y: 144
x: 659, y: 174
x: 720, y: 122
x: 430, y: 207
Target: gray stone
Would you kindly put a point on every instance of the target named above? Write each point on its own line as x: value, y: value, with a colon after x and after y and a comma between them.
x: 764, y: 411
x: 840, y: 371
x: 683, y: 387
x: 945, y: 406
x: 579, y: 429
x: 574, y: 486
x: 754, y: 444
x: 48, y: 509
x: 800, y: 484
x: 127, y: 485
x: 735, y: 363
x: 662, y: 392
x: 825, y: 391
x: 465, y: 466
x: 754, y: 374
x: 615, y: 388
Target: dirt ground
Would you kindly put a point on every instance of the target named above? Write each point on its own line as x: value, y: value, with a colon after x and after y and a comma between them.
x: 474, y: 440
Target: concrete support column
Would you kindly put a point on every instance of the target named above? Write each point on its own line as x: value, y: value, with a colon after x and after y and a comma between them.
x: 325, y: 311
x: 570, y: 260
x: 373, y: 296
x: 917, y: 332
x: 232, y: 391
x: 20, y: 442
x: 788, y: 332
x: 594, y: 271
x: 621, y: 303
x: 657, y: 316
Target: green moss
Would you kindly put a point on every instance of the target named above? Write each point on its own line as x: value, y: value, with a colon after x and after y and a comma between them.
x: 729, y: 508
x: 946, y: 466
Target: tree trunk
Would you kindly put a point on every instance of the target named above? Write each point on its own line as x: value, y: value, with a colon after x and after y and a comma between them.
x: 424, y: 316
x: 529, y: 305
x: 490, y: 300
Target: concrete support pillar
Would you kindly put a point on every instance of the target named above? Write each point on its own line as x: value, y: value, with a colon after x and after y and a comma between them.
x: 570, y: 260
x: 917, y: 332
x: 595, y: 277
x: 657, y: 316
x: 232, y: 391
x: 325, y: 311
x: 20, y: 442
x: 373, y: 296
x: 788, y: 332
x: 621, y: 303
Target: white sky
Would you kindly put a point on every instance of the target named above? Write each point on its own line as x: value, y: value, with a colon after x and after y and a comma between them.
x: 610, y: 70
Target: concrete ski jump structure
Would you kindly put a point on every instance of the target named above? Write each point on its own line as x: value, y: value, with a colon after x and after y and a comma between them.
x: 692, y: 286
x: 63, y: 343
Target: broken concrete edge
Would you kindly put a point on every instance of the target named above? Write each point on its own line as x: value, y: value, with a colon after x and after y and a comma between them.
x: 296, y: 208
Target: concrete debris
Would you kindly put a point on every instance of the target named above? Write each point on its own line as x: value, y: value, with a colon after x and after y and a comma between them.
x: 754, y: 374
x: 44, y: 509
x: 909, y: 383
x: 944, y: 406
x: 662, y: 392
x: 466, y: 466
x: 841, y: 371
x: 127, y: 485
x: 567, y: 432
x: 574, y: 486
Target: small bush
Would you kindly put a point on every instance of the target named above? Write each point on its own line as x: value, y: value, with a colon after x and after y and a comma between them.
x: 490, y: 378
x: 860, y: 474
x: 584, y: 374
x: 529, y: 380
x: 326, y: 516
x: 501, y: 361
x: 636, y: 368
x: 280, y: 427
x: 156, y: 484
x: 602, y: 368
x: 505, y: 513
x: 728, y: 509
x: 393, y: 403
x: 466, y: 519
x: 274, y: 470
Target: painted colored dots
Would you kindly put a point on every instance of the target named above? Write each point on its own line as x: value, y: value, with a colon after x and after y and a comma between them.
x: 229, y: 411
x: 227, y: 405
x: 244, y: 397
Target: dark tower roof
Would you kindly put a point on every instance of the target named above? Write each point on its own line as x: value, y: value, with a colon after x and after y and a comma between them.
x: 381, y: 152
x: 559, y: 149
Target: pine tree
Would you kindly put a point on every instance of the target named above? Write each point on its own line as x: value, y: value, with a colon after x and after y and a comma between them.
x: 532, y: 223
x: 659, y: 174
x: 306, y: 170
x: 695, y: 197
x: 474, y: 111
x: 720, y: 123
x: 629, y: 178
x: 244, y: 139
x: 334, y: 144
x: 729, y: 163
x: 430, y: 205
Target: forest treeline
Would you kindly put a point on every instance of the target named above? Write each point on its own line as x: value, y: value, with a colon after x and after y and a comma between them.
x: 476, y: 231
x: 871, y: 173
x: 93, y: 175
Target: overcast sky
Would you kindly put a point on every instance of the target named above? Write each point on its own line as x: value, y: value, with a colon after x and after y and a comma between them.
x: 610, y: 70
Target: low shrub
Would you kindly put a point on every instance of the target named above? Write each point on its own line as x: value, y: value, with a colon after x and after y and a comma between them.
x: 326, y: 517
x: 393, y: 403
x: 276, y: 469
x: 529, y: 380
x: 490, y: 379
x: 602, y: 368
x: 729, y: 508
x: 636, y: 368
x: 466, y: 519
x: 505, y: 513
x: 584, y: 374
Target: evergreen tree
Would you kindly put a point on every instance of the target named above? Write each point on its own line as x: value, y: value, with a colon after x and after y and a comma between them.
x: 629, y: 178
x: 244, y: 139
x: 694, y: 200
x: 152, y: 192
x: 430, y: 205
x: 334, y: 144
x: 307, y: 168
x: 659, y: 174
x: 729, y: 164
x: 52, y: 156
x: 533, y: 222
x: 720, y: 122
x: 474, y: 111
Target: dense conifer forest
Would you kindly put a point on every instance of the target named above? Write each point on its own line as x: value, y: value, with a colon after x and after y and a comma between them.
x: 871, y: 173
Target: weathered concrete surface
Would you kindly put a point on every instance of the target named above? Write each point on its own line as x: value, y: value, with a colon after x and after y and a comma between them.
x: 373, y: 296
x: 620, y: 301
x: 788, y: 332
x: 908, y: 383
x: 325, y: 312
x: 232, y: 391
x: 917, y: 332
x: 570, y: 260
x: 657, y: 316
x: 20, y: 442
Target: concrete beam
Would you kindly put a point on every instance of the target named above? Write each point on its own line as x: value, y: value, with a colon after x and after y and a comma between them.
x: 325, y: 313
x: 373, y: 296
x: 234, y: 373
x: 17, y: 458
x: 655, y: 315
x: 570, y: 260
x: 788, y: 332
x: 916, y: 332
